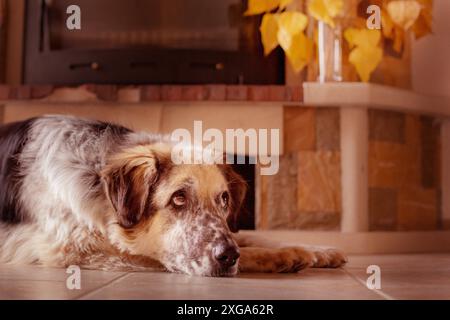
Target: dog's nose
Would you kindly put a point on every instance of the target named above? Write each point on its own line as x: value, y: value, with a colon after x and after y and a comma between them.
x: 226, y: 256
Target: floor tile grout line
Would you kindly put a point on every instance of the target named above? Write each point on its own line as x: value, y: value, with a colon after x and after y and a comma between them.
x: 361, y: 282
x: 90, y: 292
x: 32, y: 280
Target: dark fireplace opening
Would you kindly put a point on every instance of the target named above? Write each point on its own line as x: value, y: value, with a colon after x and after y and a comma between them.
x: 246, y: 219
x: 147, y: 41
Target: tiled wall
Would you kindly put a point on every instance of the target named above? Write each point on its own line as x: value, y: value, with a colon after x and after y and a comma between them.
x: 306, y: 193
x: 404, y: 172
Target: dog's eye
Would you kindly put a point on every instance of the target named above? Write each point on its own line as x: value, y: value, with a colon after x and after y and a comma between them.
x: 224, y: 199
x: 179, y: 199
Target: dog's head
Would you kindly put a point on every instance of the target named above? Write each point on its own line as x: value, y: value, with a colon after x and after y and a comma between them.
x: 180, y: 215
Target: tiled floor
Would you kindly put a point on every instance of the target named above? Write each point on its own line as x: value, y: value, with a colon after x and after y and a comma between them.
x: 402, y: 277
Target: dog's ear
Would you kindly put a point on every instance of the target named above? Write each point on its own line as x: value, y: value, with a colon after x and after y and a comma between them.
x: 238, y: 189
x: 128, y: 180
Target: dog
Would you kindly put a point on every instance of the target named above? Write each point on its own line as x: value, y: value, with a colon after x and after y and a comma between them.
x: 101, y: 196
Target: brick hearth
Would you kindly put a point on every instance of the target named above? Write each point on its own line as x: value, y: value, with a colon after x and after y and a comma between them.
x: 148, y: 93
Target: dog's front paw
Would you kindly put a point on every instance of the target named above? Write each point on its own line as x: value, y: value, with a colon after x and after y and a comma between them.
x: 282, y: 260
x: 293, y: 259
x: 329, y: 258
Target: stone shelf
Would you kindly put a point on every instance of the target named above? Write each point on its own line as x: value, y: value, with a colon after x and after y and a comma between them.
x: 373, y: 96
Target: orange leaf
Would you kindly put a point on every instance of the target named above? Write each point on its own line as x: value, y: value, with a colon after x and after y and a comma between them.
x: 404, y: 13
x: 269, y: 32
x: 256, y: 7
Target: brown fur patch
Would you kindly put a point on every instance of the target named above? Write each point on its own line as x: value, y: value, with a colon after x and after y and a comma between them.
x: 238, y: 190
x: 128, y: 180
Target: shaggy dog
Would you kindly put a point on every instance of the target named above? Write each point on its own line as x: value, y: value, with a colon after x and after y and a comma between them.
x: 100, y: 196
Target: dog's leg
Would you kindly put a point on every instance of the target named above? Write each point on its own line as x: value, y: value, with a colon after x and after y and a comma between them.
x: 254, y: 259
x: 256, y: 251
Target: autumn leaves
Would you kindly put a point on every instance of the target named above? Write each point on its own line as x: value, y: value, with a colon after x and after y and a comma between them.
x: 399, y: 17
x: 366, y: 53
x: 285, y: 27
x: 325, y: 10
x: 287, y: 30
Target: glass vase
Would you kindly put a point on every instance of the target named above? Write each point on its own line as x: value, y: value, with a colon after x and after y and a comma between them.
x: 329, y: 53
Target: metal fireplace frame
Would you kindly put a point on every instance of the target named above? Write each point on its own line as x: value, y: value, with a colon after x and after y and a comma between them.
x: 137, y: 66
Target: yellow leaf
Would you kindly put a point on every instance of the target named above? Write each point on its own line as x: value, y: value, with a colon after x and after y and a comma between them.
x: 300, y: 51
x: 366, y: 61
x: 424, y: 24
x: 404, y: 13
x: 366, y: 55
x: 422, y: 28
x: 290, y: 24
x: 256, y: 7
x: 293, y: 22
x: 392, y: 31
x: 325, y: 10
x: 388, y: 25
x: 269, y: 31
x: 363, y: 38
x: 334, y: 7
x: 285, y: 3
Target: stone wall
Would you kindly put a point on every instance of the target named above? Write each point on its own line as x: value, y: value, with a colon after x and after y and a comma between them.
x: 404, y: 172
x: 306, y: 193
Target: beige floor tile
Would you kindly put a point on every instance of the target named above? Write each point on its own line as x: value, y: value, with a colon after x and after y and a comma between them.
x: 310, y: 284
x: 415, y: 261
x: 27, y: 282
x: 424, y: 276
x: 35, y: 273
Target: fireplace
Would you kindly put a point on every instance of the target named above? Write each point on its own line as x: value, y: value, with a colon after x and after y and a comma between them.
x: 146, y: 41
x: 246, y: 220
